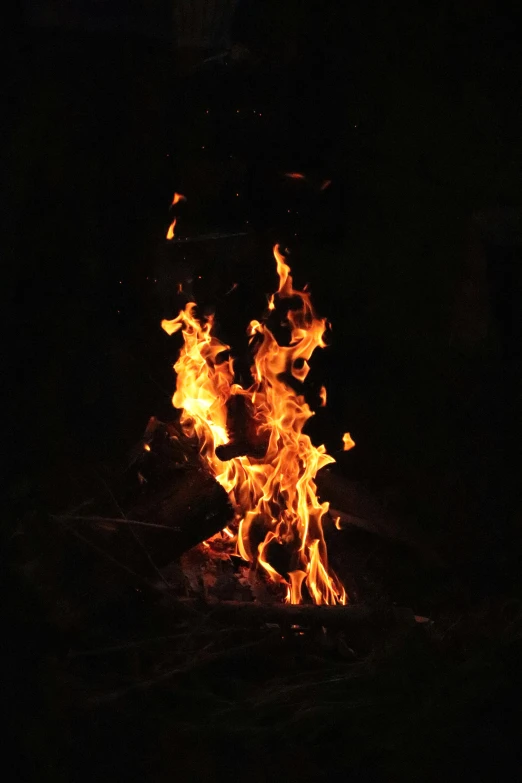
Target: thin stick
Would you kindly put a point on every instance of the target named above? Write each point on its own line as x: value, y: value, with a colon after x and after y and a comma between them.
x: 96, y: 548
x: 194, y: 663
x: 135, y: 535
x: 122, y: 647
x: 141, y: 643
x: 113, y: 520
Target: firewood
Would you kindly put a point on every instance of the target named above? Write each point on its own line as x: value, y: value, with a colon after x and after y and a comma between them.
x: 306, y: 615
x: 186, y: 516
x: 194, y: 510
x: 166, y: 503
x: 241, y: 427
x: 352, y: 505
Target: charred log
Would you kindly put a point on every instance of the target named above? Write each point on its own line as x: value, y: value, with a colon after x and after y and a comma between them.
x: 164, y: 504
x: 242, y: 431
x: 307, y: 615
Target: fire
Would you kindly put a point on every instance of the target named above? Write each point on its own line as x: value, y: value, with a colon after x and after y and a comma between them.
x: 176, y: 198
x: 170, y: 232
x: 348, y: 442
x: 278, y: 515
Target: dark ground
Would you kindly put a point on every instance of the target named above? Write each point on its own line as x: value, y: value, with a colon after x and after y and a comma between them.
x: 417, y: 122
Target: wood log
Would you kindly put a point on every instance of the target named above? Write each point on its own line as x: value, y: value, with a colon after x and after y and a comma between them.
x: 189, y: 513
x: 242, y: 432
x: 306, y: 615
x: 353, y: 505
x: 165, y: 503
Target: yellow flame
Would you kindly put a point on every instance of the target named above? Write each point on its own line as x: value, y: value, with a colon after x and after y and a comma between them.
x: 275, y: 493
x: 170, y: 232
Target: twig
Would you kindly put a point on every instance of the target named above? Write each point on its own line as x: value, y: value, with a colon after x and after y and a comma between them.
x: 75, y: 509
x: 206, y: 237
x: 98, y: 549
x: 194, y: 663
x: 113, y: 520
x: 122, y: 647
x: 140, y: 643
x: 135, y: 535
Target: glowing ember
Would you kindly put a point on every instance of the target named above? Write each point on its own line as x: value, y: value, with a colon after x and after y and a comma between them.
x: 278, y: 516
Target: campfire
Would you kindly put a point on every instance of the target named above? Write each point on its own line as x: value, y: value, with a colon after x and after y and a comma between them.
x: 226, y: 506
x: 252, y: 440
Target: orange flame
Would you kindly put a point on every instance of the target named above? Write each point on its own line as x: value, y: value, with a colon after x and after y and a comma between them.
x: 176, y: 198
x: 295, y: 175
x: 348, y: 442
x: 275, y: 495
x: 170, y: 232
x: 322, y: 395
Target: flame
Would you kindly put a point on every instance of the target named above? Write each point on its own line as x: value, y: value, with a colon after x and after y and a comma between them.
x: 275, y: 496
x: 170, y: 232
x: 176, y: 198
x: 295, y: 175
x: 322, y: 395
x: 348, y: 442
x: 326, y: 184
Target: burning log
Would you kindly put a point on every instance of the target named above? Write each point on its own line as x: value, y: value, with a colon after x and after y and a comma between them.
x: 241, y: 428
x: 186, y: 515
x: 278, y: 487
x: 195, y: 511
x: 167, y: 503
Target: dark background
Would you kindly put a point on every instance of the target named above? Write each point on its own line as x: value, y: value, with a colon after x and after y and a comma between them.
x: 413, y: 114
x: 413, y: 252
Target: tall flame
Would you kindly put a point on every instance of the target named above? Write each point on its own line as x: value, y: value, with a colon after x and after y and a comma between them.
x: 170, y: 232
x: 279, y: 517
